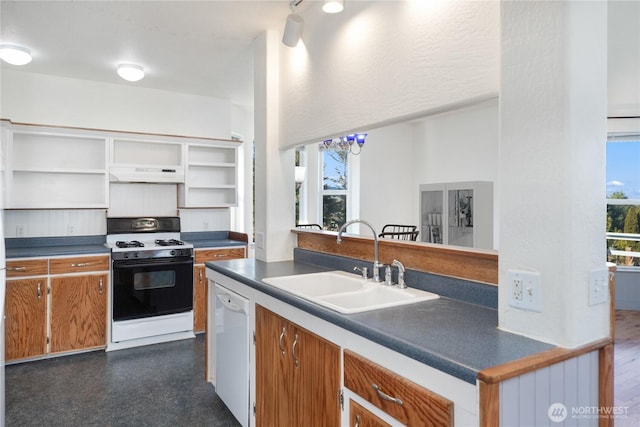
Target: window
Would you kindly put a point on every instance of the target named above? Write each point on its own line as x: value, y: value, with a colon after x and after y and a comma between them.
x: 623, y: 200
x: 335, y: 188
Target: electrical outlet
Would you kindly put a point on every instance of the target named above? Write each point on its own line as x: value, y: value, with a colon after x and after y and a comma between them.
x: 598, y: 286
x: 516, y: 288
x: 71, y: 229
x: 205, y: 226
x: 21, y: 230
x: 524, y: 290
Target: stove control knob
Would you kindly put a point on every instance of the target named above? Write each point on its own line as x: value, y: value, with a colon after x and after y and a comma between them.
x: 173, y: 253
x: 126, y: 255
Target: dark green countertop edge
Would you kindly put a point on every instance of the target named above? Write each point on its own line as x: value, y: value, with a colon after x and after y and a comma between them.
x: 453, y: 336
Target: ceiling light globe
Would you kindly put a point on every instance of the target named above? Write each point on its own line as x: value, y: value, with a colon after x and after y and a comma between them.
x: 131, y: 72
x: 333, y: 6
x: 15, y: 55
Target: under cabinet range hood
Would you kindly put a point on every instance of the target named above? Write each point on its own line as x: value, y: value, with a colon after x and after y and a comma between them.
x: 160, y: 175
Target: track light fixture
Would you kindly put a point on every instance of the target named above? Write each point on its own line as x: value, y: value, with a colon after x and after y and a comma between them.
x: 294, y: 25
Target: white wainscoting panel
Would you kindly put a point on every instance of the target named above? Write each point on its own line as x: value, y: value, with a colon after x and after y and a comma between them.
x: 627, y: 289
x: 139, y: 199
x: 218, y: 219
x: 55, y: 222
x: 525, y: 400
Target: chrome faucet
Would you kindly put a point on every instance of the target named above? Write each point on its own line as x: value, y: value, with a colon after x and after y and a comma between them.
x: 400, y: 266
x: 376, y: 263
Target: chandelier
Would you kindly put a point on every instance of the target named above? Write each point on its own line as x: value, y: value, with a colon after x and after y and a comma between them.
x: 350, y: 143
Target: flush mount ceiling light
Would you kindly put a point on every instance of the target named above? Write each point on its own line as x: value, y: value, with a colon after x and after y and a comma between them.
x: 293, y: 27
x: 131, y: 72
x: 333, y: 6
x: 15, y: 55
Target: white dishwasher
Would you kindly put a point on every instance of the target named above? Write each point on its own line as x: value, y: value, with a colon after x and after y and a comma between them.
x: 232, y: 352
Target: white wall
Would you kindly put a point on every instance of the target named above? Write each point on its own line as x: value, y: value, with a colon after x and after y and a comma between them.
x: 378, y: 62
x: 623, y: 58
x: 552, y: 165
x: 458, y: 146
x: 387, y: 192
x: 51, y: 100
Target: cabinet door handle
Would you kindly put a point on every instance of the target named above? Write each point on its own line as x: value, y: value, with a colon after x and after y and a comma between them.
x: 293, y: 351
x: 80, y: 264
x: 16, y: 268
x: 101, y: 285
x: 200, y: 276
x: 357, y: 424
x: 384, y: 396
x: 39, y: 291
x: 220, y: 255
x: 280, y: 342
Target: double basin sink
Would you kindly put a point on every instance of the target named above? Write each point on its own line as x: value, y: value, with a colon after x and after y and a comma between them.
x: 347, y: 293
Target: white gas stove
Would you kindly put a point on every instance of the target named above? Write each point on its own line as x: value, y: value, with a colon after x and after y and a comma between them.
x: 152, y: 282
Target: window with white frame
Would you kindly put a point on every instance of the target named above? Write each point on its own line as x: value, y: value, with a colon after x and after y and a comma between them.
x: 623, y: 200
x: 335, y: 188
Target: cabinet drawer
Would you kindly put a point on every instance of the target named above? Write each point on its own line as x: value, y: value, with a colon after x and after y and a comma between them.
x: 79, y: 264
x: 361, y: 417
x: 27, y: 267
x: 204, y: 255
x: 404, y: 400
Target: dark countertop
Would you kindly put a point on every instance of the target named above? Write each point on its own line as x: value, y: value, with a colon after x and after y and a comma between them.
x: 211, y: 239
x: 452, y: 336
x: 34, y: 247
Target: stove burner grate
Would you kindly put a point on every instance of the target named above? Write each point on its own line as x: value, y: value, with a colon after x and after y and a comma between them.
x: 169, y: 242
x: 129, y: 244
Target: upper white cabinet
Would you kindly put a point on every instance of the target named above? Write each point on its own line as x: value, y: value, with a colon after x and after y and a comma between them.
x: 211, y: 178
x: 68, y: 168
x: 49, y: 169
x: 457, y: 213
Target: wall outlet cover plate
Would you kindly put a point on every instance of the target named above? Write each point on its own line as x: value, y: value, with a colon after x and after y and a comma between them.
x: 525, y: 291
x: 598, y: 286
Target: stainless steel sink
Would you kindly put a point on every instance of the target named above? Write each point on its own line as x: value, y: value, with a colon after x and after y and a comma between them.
x: 347, y: 293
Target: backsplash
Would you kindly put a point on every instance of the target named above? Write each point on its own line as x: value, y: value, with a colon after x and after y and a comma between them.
x: 125, y: 200
x: 449, y: 287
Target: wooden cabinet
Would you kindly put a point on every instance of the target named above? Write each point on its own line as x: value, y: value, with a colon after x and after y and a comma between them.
x: 200, y: 281
x: 50, y: 168
x: 404, y: 400
x: 25, y: 329
x: 55, y: 305
x: 211, y: 178
x: 359, y: 416
x: 78, y: 312
x: 297, y: 374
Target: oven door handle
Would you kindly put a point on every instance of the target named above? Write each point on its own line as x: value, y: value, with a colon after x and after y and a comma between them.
x: 159, y: 262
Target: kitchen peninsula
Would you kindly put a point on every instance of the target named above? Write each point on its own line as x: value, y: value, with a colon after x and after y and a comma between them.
x: 467, y: 371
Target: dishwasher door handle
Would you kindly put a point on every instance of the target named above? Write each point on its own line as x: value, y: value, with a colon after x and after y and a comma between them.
x: 229, y: 302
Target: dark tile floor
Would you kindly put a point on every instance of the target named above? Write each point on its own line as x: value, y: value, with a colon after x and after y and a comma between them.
x: 157, y: 385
